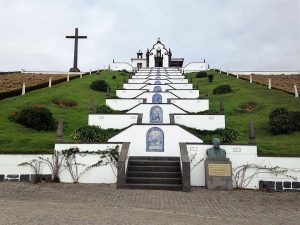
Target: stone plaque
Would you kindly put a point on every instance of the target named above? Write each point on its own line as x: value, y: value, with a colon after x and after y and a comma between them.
x: 219, y: 170
x: 218, y: 175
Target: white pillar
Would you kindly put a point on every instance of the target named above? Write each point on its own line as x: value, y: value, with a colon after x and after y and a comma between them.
x: 220, y: 70
x: 214, y: 68
x: 227, y: 72
x: 81, y: 75
x: 50, y: 82
x: 237, y: 76
x: 68, y: 77
x: 90, y: 72
x: 270, y: 84
x: 296, y: 91
x: 23, y: 89
x: 251, y: 80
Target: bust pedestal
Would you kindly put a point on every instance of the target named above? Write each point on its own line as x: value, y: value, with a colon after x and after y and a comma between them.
x: 218, y: 174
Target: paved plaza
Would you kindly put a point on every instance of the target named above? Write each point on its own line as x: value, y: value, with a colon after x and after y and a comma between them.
x: 23, y: 203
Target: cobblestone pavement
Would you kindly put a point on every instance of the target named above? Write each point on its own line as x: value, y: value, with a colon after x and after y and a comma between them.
x: 23, y: 203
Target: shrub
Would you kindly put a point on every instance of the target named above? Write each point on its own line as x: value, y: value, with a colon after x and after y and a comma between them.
x: 64, y: 102
x: 99, y: 85
x: 281, y: 121
x: 227, y: 135
x: 35, y: 117
x: 201, y: 74
x: 105, y: 109
x: 210, y: 78
x: 91, y: 134
x: 222, y: 89
x: 114, y: 77
x: 296, y: 120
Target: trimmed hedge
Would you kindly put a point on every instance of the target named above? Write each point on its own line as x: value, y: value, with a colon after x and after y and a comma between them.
x: 35, y: 117
x: 227, y: 135
x: 222, y: 89
x: 106, y: 110
x: 284, y: 122
x: 91, y: 134
x: 99, y: 85
x: 201, y: 74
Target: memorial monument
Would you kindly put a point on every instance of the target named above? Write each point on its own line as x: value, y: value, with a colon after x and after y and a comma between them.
x: 218, y: 170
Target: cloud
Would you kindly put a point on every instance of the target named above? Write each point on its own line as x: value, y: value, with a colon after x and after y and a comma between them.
x: 233, y: 34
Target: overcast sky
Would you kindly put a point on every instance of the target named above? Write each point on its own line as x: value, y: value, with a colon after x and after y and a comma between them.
x: 233, y: 34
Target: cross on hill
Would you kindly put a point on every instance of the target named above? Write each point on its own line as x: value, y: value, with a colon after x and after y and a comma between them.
x: 76, y: 37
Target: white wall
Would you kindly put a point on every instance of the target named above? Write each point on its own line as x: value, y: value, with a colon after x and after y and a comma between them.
x: 136, y: 61
x: 241, y: 155
x: 123, y: 104
x: 201, y: 122
x: 138, y: 140
x: 121, y: 66
x: 145, y: 110
x: 283, y: 162
x: 129, y: 93
x: 151, y: 87
x: 137, y: 81
x: 152, y: 81
x: 115, y: 121
x: 192, y: 105
x: 133, y: 86
x: 182, y: 86
x: 9, y: 163
x: 185, y: 93
x: 165, y: 96
x: 195, y: 67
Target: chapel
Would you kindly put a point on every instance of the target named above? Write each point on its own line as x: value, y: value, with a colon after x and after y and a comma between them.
x: 157, y: 56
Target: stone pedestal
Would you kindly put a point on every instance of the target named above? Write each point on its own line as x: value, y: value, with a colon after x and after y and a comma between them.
x: 218, y: 174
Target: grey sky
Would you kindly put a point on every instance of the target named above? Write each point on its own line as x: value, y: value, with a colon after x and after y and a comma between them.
x: 233, y: 34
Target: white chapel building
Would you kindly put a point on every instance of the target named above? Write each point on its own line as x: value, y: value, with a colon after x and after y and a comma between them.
x: 157, y: 56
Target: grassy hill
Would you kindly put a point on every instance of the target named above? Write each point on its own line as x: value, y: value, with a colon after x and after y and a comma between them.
x: 14, y: 138
x: 18, y: 139
x: 266, y: 100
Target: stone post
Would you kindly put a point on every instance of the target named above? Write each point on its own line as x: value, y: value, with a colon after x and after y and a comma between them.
x: 222, y: 106
x: 90, y: 72
x: 251, y: 80
x: 220, y: 70
x: 296, y: 91
x: 80, y: 76
x: 227, y: 72
x: 92, y: 108
x: 68, y: 77
x: 270, y: 84
x: 23, y: 89
x: 60, y: 131
x: 251, y: 133
x: 237, y: 76
x: 50, y: 82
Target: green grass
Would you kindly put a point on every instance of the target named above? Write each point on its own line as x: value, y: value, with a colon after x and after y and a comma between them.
x: 266, y: 100
x: 15, y: 138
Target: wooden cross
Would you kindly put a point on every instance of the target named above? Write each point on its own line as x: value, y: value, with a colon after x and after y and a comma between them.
x: 76, y: 37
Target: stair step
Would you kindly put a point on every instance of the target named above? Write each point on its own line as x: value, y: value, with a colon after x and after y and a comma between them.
x: 153, y: 174
x: 153, y: 163
x: 172, y: 187
x: 153, y: 180
x: 154, y: 158
x: 154, y: 168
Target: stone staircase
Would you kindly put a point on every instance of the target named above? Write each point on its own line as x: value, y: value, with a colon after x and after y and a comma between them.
x: 161, y: 173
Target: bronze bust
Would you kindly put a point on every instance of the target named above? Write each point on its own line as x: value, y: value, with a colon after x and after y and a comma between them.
x: 216, y: 152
